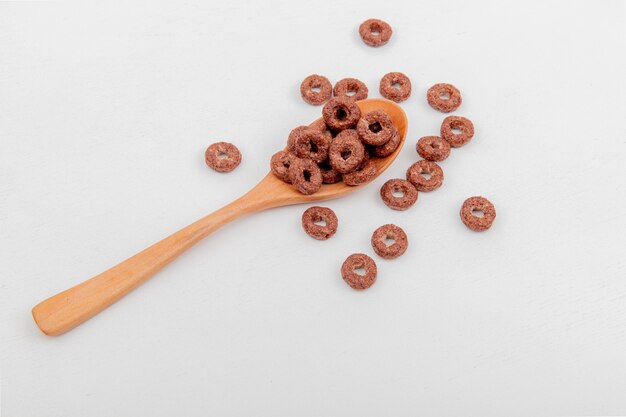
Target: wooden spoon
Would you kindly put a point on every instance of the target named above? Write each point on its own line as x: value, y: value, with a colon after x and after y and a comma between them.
x: 68, y: 309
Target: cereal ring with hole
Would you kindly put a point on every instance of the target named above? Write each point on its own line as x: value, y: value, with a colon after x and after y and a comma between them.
x: 388, y: 148
x: 433, y: 148
x: 471, y: 212
x: 280, y: 163
x: 375, y: 128
x: 316, y: 89
x: 425, y: 175
x: 344, y: 87
x: 350, y: 274
x: 375, y: 32
x: 404, y: 187
x: 346, y: 152
x: 452, y: 123
x: 317, y: 214
x: 362, y: 175
x: 293, y: 135
x: 444, y: 97
x: 341, y: 113
x: 312, y: 144
x: 383, y: 234
x: 329, y: 174
x: 305, y: 175
x: 389, y: 90
x: 222, y: 156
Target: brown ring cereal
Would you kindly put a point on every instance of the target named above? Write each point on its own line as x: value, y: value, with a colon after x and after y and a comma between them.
x: 293, y: 135
x: 415, y: 175
x: 478, y: 204
x: 433, y: 148
x: 316, y: 214
x: 389, y: 231
x: 312, y: 144
x: 347, y: 85
x: 436, y: 97
x: 305, y: 175
x: 341, y: 113
x: 408, y: 190
x: 346, y: 151
x: 362, y: 175
x: 375, y: 128
x: 329, y: 174
x: 280, y: 163
x: 388, y: 148
x: 316, y: 97
x: 375, y: 32
x: 354, y: 279
x: 463, y: 124
x: 388, y: 90
x: 320, y: 126
x: 222, y: 156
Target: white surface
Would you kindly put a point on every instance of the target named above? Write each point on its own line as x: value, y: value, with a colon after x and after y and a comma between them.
x: 105, y: 112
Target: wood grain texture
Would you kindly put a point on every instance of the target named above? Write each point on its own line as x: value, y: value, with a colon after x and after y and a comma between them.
x: 66, y: 310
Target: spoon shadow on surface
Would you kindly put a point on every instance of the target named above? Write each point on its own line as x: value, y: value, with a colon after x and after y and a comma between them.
x: 66, y: 310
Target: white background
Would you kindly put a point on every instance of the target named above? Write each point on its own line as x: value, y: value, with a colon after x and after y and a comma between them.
x: 105, y: 112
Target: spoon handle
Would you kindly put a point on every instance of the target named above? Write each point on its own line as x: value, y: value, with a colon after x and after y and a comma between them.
x: 66, y: 310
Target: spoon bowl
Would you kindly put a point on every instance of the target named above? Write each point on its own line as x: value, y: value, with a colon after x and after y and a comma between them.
x: 68, y: 309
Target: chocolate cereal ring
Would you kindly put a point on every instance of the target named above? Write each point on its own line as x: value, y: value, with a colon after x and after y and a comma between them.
x: 362, y: 174
x: 390, y: 92
x: 280, y: 163
x: 329, y: 174
x: 346, y: 152
x: 320, y: 126
x: 222, y: 156
x: 471, y: 211
x: 444, y: 97
x: 408, y: 191
x: 293, y: 135
x: 389, y: 231
x: 305, y: 175
x: 375, y: 32
x: 341, y: 113
x: 388, y: 148
x: 316, y: 82
x: 318, y: 214
x: 425, y: 175
x: 352, y: 277
x: 350, y: 85
x: 433, y: 148
x: 463, y: 124
x: 311, y: 144
x: 375, y: 128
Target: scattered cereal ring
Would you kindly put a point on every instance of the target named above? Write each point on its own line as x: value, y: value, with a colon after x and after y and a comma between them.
x: 444, y: 97
x: 318, y: 214
x: 408, y: 190
x: 375, y: 128
x: 280, y: 163
x: 305, y: 175
x: 375, y: 32
x: 390, y: 92
x: 463, y: 124
x: 433, y: 148
x: 389, y: 231
x: 350, y: 85
x: 346, y: 151
x: 388, y: 148
x: 329, y: 174
x: 352, y: 277
x: 312, y: 83
x: 311, y: 144
x: 222, y: 156
x: 341, y: 113
x: 362, y: 175
x: 470, y: 213
x: 417, y: 173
